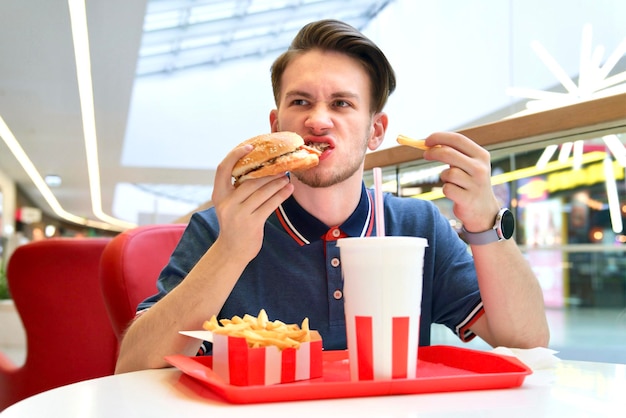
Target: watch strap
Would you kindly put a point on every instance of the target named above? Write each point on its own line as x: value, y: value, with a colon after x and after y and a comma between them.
x: 481, y: 238
x: 502, y: 230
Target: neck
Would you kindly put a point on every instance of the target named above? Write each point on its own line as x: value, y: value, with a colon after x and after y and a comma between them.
x: 331, y: 205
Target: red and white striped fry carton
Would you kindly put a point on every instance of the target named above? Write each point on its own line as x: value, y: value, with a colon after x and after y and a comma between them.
x: 241, y: 365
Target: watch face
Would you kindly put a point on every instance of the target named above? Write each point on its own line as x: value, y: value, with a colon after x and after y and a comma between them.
x: 508, y: 224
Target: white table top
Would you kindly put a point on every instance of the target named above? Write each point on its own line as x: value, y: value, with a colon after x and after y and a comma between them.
x: 570, y: 389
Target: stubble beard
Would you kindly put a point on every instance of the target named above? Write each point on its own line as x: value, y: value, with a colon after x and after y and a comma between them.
x: 317, y: 178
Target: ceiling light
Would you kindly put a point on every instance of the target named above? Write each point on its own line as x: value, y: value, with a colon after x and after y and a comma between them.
x: 612, y: 142
x: 547, y: 154
x: 612, y: 196
x: 616, y: 147
x: 20, y: 155
x: 593, y: 82
x: 80, y: 37
x: 53, y: 180
x: 566, y: 148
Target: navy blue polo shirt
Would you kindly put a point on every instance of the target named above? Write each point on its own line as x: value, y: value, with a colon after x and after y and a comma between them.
x: 297, y: 273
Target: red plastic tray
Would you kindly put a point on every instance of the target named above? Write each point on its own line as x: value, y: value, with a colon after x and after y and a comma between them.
x: 439, y: 369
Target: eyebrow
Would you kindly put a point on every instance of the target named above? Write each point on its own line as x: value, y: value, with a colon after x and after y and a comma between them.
x: 339, y: 94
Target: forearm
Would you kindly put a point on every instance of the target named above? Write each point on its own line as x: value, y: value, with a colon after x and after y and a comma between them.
x: 149, y: 338
x: 512, y: 297
x: 201, y: 294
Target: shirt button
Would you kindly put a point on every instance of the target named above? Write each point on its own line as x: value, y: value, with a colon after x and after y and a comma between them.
x: 336, y: 232
x: 337, y: 294
x: 334, y: 262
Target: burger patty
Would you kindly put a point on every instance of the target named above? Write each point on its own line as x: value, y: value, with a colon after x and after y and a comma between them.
x: 303, y: 148
x: 270, y: 162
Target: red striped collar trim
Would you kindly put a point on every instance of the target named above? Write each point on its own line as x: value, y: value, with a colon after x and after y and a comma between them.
x: 352, y: 227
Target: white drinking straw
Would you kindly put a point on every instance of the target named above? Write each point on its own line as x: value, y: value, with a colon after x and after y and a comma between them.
x: 379, y: 212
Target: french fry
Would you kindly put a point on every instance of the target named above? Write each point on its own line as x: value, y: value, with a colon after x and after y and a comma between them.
x: 415, y: 143
x: 211, y: 324
x: 259, y: 331
x: 231, y: 328
x: 256, y: 338
x: 306, y: 329
x: 262, y: 320
x: 276, y: 324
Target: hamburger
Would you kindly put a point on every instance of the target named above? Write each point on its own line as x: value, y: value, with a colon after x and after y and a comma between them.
x: 274, y: 153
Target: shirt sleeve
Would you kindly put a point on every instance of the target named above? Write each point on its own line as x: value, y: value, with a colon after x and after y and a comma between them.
x: 456, y: 297
x: 450, y: 286
x: 463, y: 330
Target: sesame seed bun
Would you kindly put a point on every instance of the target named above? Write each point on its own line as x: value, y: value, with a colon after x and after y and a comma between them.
x: 274, y: 153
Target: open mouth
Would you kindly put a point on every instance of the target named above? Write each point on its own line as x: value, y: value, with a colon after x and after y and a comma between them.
x: 320, y: 146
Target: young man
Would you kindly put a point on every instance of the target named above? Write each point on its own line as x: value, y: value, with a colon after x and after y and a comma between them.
x: 270, y: 243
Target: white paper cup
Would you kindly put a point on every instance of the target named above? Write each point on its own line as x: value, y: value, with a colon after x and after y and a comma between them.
x: 382, y: 288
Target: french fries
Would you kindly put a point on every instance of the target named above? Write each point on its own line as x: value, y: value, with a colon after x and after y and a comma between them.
x: 259, y: 331
x: 415, y: 143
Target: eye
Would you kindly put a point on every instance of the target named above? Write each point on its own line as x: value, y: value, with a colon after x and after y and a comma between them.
x: 342, y: 103
x: 299, y: 102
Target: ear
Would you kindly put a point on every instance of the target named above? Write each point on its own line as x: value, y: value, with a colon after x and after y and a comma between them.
x: 379, y: 126
x: 274, y: 120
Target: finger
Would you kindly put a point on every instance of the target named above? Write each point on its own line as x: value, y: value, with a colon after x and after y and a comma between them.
x: 242, y: 201
x: 454, y: 140
x: 224, y: 170
x: 473, y: 176
x: 455, y: 194
x: 251, y: 185
x: 247, y: 218
x: 223, y: 182
x: 450, y: 157
x: 476, y: 167
x: 456, y: 177
x: 270, y: 205
x: 454, y: 149
x: 266, y: 194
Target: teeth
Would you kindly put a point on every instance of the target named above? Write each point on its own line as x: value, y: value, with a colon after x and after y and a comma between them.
x: 321, y: 146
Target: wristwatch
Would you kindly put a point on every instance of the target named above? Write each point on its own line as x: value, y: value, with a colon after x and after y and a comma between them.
x: 502, y: 230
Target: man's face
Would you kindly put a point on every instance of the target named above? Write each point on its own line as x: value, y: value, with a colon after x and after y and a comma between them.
x: 325, y: 97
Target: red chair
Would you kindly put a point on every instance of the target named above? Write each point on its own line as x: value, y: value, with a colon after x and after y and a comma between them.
x: 130, y: 266
x: 54, y: 285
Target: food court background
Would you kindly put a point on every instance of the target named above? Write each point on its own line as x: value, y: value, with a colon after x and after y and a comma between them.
x: 564, y: 225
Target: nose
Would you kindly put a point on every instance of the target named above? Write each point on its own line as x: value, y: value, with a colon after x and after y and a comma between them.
x: 318, y: 119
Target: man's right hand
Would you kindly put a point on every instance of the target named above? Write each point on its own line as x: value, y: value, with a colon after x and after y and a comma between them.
x: 242, y: 211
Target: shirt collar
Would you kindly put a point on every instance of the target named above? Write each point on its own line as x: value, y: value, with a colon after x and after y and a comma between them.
x: 304, y: 228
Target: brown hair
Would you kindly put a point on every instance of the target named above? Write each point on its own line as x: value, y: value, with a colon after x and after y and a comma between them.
x: 334, y: 35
